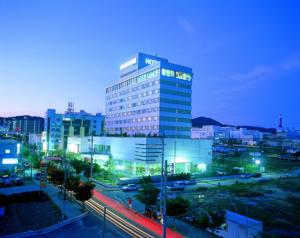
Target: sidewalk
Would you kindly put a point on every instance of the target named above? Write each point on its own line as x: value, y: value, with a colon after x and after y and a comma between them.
x: 70, y: 208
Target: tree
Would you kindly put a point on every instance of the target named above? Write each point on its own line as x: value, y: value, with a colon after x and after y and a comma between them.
x: 78, y: 165
x: 216, y: 220
x: 72, y: 183
x: 148, y: 193
x: 109, y: 164
x: 56, y: 175
x: 177, y: 206
x: 84, y: 192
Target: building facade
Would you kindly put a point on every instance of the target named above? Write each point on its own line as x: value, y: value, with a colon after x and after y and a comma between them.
x: 58, y: 127
x: 152, y: 97
x: 24, y: 125
x: 182, y: 154
x: 9, y: 154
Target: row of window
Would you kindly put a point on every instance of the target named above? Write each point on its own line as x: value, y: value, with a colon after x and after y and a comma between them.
x: 176, y: 84
x: 146, y: 119
x: 148, y: 93
x: 132, y: 120
x: 130, y: 105
x: 145, y: 85
x: 175, y: 119
x: 148, y: 110
x: 173, y: 101
x: 134, y: 112
x: 144, y: 94
x: 176, y: 74
x: 137, y: 129
x: 174, y: 110
x: 143, y: 77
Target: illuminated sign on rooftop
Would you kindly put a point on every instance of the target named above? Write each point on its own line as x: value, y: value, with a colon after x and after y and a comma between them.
x: 151, y: 61
x: 128, y: 63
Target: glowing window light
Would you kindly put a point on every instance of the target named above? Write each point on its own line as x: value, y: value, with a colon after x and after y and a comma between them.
x: 201, y: 167
x: 10, y: 161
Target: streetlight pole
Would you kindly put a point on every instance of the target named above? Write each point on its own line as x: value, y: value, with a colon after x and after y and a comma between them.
x: 65, y: 176
x: 92, y: 151
x: 104, y: 218
x: 164, y: 233
x: 163, y: 188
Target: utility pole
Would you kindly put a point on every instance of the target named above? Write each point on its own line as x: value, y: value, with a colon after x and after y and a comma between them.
x: 163, y: 191
x: 104, y: 218
x: 164, y: 234
x: 65, y: 175
x: 92, y: 151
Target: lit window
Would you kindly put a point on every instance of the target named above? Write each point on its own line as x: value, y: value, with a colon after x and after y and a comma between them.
x: 7, y: 151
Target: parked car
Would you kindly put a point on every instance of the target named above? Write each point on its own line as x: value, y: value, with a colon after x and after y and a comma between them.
x: 130, y: 187
x: 246, y: 175
x: 6, y: 181
x: 256, y: 175
x: 37, y: 176
x: 221, y: 173
x: 178, y: 185
x: 190, y: 182
x: 169, y: 196
x: 18, y: 181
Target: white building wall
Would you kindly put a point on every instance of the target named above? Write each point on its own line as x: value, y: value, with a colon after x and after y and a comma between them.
x: 129, y: 148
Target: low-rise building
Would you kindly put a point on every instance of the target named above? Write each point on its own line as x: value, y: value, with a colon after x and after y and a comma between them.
x: 239, y: 226
x: 24, y: 125
x: 59, y: 126
x: 9, y: 154
x: 183, y: 155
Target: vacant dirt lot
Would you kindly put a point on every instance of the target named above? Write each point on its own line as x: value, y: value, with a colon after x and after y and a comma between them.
x: 275, y: 202
x: 23, y: 216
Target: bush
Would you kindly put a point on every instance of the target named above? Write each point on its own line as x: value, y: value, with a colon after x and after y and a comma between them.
x: 180, y: 176
x: 201, y: 189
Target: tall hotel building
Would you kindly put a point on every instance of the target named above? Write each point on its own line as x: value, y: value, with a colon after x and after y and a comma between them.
x: 152, y: 97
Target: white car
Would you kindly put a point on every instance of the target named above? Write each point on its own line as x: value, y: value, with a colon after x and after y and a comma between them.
x: 246, y: 175
x: 130, y: 187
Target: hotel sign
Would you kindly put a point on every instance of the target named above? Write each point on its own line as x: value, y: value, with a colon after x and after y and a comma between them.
x: 151, y: 61
x: 128, y: 63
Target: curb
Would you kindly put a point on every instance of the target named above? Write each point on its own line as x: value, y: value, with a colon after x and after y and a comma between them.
x: 46, y: 229
x: 105, y: 185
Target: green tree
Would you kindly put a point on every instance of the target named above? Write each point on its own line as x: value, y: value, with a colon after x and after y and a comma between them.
x: 216, y: 220
x: 109, y: 164
x: 78, y: 165
x: 84, y: 192
x: 56, y: 175
x: 72, y: 183
x: 148, y: 193
x: 177, y: 206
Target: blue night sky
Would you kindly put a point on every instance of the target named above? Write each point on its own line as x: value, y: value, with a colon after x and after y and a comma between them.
x: 245, y: 54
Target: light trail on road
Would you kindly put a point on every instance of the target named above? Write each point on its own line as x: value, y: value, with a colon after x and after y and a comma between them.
x: 121, y: 223
x: 147, y: 223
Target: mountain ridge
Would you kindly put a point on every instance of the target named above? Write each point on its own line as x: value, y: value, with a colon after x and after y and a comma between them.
x: 204, y: 121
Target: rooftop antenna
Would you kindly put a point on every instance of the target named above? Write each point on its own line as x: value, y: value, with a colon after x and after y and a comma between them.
x: 280, y: 122
x: 70, y: 107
